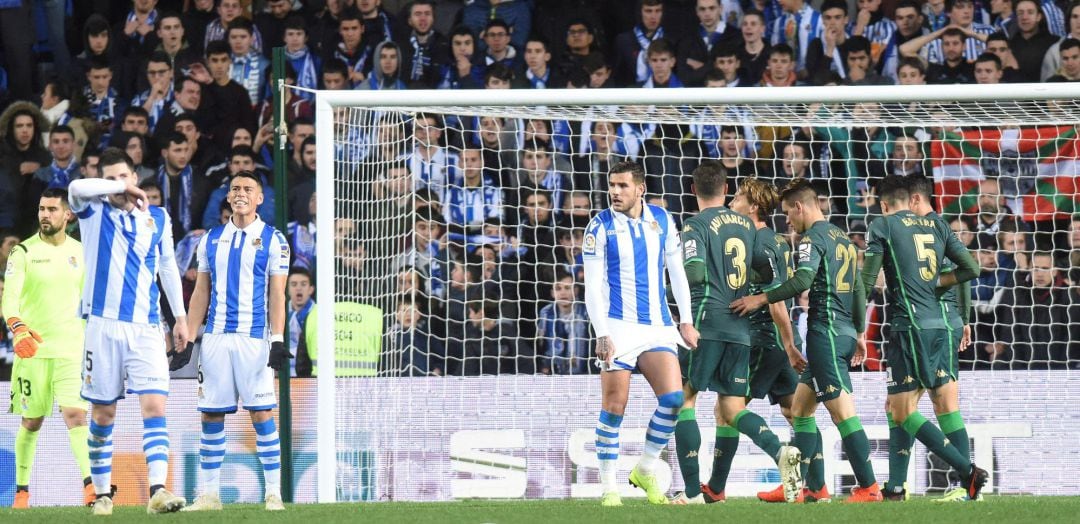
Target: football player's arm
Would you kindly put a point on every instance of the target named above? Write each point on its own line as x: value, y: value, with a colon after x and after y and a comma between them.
x: 83, y: 192
x: 780, y: 316
x: 279, y: 273
x: 871, y: 267
x: 809, y: 260
x: 170, y: 273
x: 200, y: 297
x: 761, y: 265
x: 596, y: 304
x: 680, y: 286
x: 963, y: 298
x: 967, y: 268
x: 858, y: 306
x: 14, y: 276
x: 693, y: 255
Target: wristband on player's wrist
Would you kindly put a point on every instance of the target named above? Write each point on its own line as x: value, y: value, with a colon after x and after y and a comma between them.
x: 277, y: 337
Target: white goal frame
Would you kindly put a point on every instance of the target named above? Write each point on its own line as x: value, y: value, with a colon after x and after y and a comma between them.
x: 326, y: 101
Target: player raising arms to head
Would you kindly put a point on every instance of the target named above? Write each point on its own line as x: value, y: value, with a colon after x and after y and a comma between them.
x: 44, y: 278
x: 722, y: 249
x: 826, y: 263
x: 920, y: 351
x: 243, y: 266
x: 127, y: 246
x: 626, y: 250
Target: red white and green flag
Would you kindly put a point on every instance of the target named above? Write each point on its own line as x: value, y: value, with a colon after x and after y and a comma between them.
x: 1039, y: 166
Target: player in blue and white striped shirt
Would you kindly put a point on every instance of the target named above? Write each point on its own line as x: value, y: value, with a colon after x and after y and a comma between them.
x: 243, y: 266
x: 625, y: 250
x: 127, y: 246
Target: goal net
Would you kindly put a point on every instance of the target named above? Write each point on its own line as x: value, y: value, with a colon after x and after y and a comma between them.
x: 454, y: 347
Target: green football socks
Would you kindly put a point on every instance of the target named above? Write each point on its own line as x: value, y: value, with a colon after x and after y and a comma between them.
x: 807, y: 439
x: 900, y: 443
x: 687, y: 446
x: 750, y: 424
x: 857, y: 447
x: 815, y: 472
x: 952, y: 425
x: 727, y: 443
x: 936, y: 441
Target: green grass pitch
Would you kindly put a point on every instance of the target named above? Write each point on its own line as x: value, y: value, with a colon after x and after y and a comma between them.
x: 1013, y: 509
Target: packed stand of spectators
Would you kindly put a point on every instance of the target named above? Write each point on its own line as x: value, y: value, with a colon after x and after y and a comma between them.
x: 477, y: 262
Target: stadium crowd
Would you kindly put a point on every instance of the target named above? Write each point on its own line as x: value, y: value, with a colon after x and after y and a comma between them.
x: 466, y: 232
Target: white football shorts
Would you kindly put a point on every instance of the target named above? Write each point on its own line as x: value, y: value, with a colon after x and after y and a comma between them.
x: 632, y: 339
x: 232, y: 367
x: 115, y: 351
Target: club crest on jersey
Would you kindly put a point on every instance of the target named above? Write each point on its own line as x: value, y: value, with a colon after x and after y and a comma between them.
x: 150, y: 222
x: 74, y: 262
x: 655, y: 226
x: 256, y: 243
x: 589, y: 244
x: 804, y: 252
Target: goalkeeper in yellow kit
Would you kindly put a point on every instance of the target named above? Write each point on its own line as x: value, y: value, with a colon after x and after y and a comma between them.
x: 43, y: 286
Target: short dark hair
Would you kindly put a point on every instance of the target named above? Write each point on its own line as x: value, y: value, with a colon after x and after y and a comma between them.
x: 834, y: 4
x: 217, y: 47
x: 660, y: 46
x: 725, y: 50
x: 302, y: 271
x: 336, y: 66
x: 997, y: 35
x: 546, y: 195
x: 991, y: 57
x: 754, y: 12
x: 99, y: 62
x: 61, y: 128
x: 296, y: 22
x: 150, y: 183
x: 636, y: 171
x: 160, y: 57
x: 167, y: 14
x: 169, y: 137
x: 240, y: 23
x: 178, y: 82
x: 349, y: 14
x: 461, y: 30
x: 853, y: 44
x: 710, y: 179
x: 498, y: 70
x: 919, y: 184
x: 913, y: 62
x: 1069, y: 43
x: 893, y: 189
x: 540, y: 40
x: 950, y: 4
x: 87, y: 153
x: 782, y: 49
x: 497, y: 22
x: 60, y: 89
x: 955, y: 31
x: 242, y: 151
x: 56, y: 192
x: 248, y: 174
x: 138, y: 111
x: 115, y: 155
x: 799, y: 190
x: 912, y: 4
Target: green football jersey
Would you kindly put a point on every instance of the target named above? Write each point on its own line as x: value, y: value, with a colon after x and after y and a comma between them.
x: 826, y: 251
x: 912, y: 248
x: 950, y: 300
x: 775, y: 247
x: 725, y: 242
x: 43, y: 286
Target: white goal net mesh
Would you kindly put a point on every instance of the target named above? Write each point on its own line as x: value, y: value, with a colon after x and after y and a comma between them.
x: 461, y: 330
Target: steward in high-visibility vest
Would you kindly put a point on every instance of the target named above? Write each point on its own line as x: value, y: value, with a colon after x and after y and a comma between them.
x: 358, y: 332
